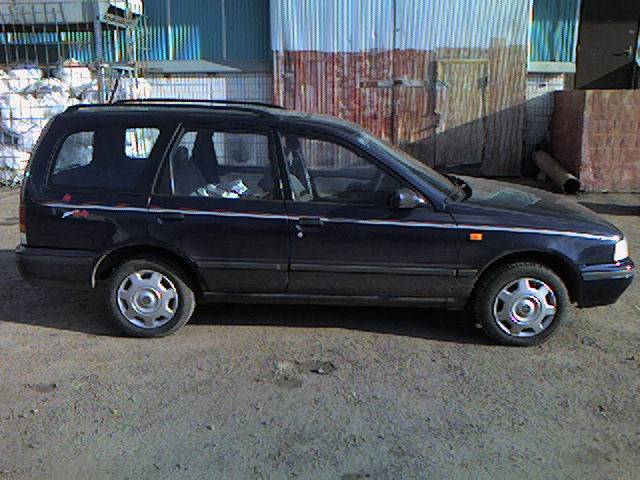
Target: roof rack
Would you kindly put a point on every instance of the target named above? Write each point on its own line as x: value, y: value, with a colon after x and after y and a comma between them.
x: 197, y: 100
x: 235, y: 106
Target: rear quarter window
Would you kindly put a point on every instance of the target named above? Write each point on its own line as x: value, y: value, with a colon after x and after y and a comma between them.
x: 110, y: 158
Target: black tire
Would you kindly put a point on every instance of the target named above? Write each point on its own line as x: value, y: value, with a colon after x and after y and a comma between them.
x: 492, y: 283
x: 185, y: 295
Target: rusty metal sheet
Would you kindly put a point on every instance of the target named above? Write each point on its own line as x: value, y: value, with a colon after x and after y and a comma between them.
x: 375, y: 65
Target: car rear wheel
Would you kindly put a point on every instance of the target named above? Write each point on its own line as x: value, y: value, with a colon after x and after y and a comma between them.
x: 149, y: 297
x: 521, y: 303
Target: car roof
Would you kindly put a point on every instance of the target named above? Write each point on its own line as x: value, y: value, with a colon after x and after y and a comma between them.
x: 171, y: 108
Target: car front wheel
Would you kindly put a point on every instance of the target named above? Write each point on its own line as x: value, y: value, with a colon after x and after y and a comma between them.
x: 149, y: 297
x: 521, y: 303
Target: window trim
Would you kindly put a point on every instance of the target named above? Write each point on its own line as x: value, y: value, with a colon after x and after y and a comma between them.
x: 249, y: 128
x: 354, y: 148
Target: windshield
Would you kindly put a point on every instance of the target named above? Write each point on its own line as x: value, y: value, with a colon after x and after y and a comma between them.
x: 419, y: 169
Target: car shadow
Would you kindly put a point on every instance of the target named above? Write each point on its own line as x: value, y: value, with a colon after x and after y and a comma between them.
x: 82, y: 311
x: 441, y: 325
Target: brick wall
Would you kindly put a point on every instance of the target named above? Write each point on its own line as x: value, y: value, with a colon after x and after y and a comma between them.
x: 596, y: 136
x: 567, y: 129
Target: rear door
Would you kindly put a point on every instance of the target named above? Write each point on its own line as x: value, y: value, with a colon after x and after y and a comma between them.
x: 95, y: 188
x: 218, y: 201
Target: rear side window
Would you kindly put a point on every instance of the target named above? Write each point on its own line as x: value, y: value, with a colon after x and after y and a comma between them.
x: 140, y: 141
x: 220, y: 164
x: 76, y: 151
x: 110, y: 158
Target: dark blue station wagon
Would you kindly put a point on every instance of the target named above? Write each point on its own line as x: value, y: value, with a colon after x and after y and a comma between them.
x: 165, y: 203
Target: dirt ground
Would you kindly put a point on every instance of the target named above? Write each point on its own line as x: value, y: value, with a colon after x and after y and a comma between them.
x: 308, y: 392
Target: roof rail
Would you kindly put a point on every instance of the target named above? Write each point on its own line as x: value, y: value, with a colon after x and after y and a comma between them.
x: 197, y: 100
x: 235, y: 106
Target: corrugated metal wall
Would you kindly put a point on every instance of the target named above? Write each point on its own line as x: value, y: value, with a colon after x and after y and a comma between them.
x: 408, y: 83
x: 554, y: 30
x: 207, y: 30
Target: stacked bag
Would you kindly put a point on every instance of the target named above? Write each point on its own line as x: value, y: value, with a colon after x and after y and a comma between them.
x: 29, y: 99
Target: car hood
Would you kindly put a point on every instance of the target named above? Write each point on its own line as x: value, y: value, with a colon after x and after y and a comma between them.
x: 532, y: 207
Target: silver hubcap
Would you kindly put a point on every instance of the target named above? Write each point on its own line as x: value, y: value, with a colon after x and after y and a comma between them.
x: 525, y: 307
x: 147, y: 299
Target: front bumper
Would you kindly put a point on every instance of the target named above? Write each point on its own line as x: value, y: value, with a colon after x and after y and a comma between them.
x: 51, y: 267
x: 604, y: 284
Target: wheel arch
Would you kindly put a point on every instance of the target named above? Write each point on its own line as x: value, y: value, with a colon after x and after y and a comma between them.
x: 110, y: 260
x: 557, y: 262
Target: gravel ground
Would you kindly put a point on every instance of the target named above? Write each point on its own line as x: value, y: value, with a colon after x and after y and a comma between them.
x: 313, y: 392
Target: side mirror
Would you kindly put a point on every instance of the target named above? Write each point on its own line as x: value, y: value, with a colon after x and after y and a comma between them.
x: 407, y: 199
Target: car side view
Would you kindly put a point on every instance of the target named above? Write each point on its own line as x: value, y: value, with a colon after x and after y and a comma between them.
x: 167, y: 203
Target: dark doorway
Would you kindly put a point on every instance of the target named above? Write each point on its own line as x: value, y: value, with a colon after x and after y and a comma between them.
x: 607, y: 44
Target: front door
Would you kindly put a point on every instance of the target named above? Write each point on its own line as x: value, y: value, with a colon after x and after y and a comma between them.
x: 218, y: 202
x: 346, y: 240
x: 607, y: 44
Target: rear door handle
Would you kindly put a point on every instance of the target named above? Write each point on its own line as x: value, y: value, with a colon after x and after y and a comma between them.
x: 171, y: 218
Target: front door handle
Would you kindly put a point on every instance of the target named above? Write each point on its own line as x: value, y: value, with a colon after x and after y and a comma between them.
x: 309, y: 224
x: 171, y: 218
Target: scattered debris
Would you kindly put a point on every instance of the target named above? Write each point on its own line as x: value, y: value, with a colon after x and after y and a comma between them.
x: 320, y: 368
x: 43, y: 387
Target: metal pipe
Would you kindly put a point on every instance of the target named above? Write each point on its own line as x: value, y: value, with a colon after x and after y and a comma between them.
x: 556, y: 172
x: 169, y: 32
x: 97, y: 33
x: 99, y: 50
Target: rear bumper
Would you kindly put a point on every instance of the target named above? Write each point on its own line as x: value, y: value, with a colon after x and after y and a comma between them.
x: 51, y: 267
x: 604, y: 284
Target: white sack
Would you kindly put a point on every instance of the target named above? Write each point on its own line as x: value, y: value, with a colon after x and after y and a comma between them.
x: 28, y: 140
x: 23, y: 77
x: 48, y: 86
x: 4, y: 82
x: 90, y: 95
x: 16, y: 112
x: 20, y: 113
x: 13, y: 162
x: 75, y: 75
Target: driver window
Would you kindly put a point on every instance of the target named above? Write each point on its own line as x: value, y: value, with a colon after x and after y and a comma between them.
x: 224, y: 165
x: 323, y: 171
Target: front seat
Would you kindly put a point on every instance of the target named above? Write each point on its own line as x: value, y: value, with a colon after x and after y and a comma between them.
x: 187, y: 177
x: 204, y: 156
